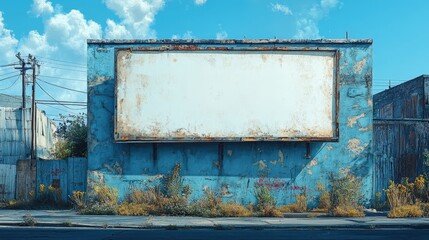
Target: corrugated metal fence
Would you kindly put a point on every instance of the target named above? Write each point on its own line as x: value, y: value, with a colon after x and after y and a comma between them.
x: 398, y: 149
x: 69, y: 175
x: 17, y: 181
x: 7, y: 181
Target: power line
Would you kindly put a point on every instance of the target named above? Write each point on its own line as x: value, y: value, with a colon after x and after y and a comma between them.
x: 10, y: 85
x: 7, y: 73
x: 69, y: 103
x: 63, y: 105
x: 54, y: 98
x: 63, y: 110
x: 62, y: 61
x: 9, y: 65
x: 9, y: 77
x: 64, y: 64
x: 70, y: 79
x: 70, y: 89
x: 67, y: 69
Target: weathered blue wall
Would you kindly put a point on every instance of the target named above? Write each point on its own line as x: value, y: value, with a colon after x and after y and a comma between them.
x: 280, y: 165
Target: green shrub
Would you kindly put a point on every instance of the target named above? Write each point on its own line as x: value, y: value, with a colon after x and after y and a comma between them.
x: 345, y: 196
x: 264, y: 197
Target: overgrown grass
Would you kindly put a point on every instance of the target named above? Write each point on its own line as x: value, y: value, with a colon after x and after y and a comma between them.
x: 299, y: 207
x: 405, y: 211
x: 266, y: 203
x: 409, y: 199
x: 324, y: 198
x: 345, y: 196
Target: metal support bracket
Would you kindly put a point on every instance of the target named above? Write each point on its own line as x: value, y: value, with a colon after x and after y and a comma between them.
x: 308, y: 152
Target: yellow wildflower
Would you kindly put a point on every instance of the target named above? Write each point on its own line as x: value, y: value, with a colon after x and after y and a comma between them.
x: 42, y: 188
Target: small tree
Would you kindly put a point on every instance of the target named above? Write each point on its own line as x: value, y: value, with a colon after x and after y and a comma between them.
x: 72, y: 137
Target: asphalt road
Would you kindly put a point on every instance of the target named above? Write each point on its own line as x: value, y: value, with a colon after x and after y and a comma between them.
x: 88, y: 233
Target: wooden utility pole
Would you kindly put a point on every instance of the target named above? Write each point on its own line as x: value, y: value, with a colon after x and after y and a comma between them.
x: 23, y: 69
x: 34, y: 63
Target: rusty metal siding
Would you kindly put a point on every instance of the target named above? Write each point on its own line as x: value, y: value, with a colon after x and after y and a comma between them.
x: 407, y: 100
x: 398, y: 150
x: 234, y: 169
x: 401, y: 131
x: 230, y: 95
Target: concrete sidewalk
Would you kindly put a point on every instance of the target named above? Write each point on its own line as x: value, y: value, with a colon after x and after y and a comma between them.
x: 67, y: 218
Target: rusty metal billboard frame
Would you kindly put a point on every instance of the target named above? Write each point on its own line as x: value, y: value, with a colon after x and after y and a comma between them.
x: 200, y: 47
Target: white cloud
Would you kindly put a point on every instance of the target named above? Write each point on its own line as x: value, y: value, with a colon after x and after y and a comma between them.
x: 326, y: 4
x: 200, y: 2
x: 221, y: 35
x: 187, y: 35
x: 116, y: 31
x: 71, y: 30
x: 36, y: 44
x: 307, y: 29
x: 281, y: 8
x: 8, y: 43
x: 136, y: 16
x: 307, y: 25
x: 41, y: 7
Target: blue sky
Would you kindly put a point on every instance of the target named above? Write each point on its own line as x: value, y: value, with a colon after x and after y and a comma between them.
x: 56, y: 31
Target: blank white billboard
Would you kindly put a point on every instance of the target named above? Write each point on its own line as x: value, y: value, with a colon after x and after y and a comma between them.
x: 204, y: 95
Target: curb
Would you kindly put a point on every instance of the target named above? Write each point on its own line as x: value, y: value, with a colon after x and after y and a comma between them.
x: 228, y: 227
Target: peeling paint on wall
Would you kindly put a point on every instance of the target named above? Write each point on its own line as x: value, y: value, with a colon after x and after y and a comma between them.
x: 312, y: 163
x: 358, y: 67
x: 353, y: 120
x: 355, y: 146
x: 235, y: 175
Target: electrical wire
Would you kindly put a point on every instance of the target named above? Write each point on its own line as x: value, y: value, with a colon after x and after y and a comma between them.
x: 56, y: 60
x: 7, y: 73
x: 56, y: 99
x: 1, y: 89
x: 6, y: 78
x: 64, y: 64
x: 70, y: 89
x: 67, y: 69
x: 63, y: 110
x: 69, y: 103
x: 9, y: 65
x: 70, y: 79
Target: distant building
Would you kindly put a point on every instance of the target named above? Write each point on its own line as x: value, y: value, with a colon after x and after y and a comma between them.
x: 13, y: 101
x: 15, y: 139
